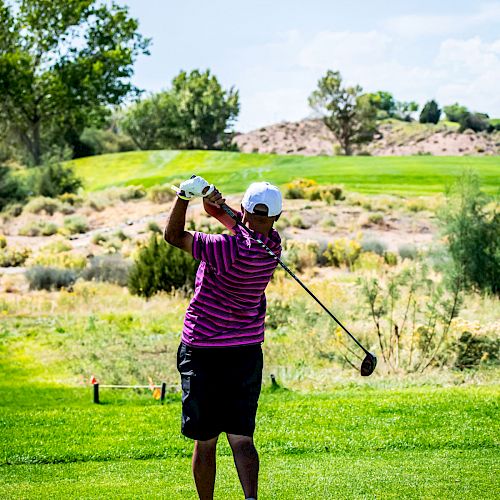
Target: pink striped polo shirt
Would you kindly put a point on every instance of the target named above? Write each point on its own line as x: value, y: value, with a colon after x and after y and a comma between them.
x: 229, y: 304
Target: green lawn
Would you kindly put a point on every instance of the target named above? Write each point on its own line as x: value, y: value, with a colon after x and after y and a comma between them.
x: 358, y: 442
x: 409, y: 175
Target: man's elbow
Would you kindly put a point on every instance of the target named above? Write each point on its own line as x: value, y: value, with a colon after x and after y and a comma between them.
x: 170, y: 237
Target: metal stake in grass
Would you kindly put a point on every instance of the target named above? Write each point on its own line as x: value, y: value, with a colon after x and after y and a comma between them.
x: 370, y: 360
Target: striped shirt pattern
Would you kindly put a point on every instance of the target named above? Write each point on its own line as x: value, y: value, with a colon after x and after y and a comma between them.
x: 229, y: 304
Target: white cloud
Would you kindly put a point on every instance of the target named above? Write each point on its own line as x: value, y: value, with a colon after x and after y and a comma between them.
x: 472, y: 69
x: 418, y: 25
x: 338, y: 49
x: 463, y: 70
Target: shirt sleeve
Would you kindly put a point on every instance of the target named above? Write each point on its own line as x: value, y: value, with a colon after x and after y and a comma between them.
x: 217, y: 250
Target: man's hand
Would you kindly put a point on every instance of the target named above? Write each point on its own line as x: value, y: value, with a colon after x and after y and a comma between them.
x: 215, y: 198
x: 195, y: 187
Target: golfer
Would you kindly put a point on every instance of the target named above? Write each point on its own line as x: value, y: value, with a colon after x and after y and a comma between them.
x: 220, y: 355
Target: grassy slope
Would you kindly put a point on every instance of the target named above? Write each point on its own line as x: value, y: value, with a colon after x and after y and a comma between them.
x: 412, y: 175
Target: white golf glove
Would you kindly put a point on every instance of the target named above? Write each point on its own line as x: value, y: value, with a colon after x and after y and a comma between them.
x: 195, y: 187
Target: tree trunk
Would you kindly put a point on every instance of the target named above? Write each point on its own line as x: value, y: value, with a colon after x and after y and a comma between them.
x: 37, y: 149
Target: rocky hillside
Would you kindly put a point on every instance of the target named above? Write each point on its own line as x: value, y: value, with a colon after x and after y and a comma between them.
x: 312, y: 137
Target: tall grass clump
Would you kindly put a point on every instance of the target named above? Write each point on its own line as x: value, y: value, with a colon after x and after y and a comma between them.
x: 412, y: 315
x: 161, y: 267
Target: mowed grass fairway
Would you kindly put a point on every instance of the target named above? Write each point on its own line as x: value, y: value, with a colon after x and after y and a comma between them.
x: 232, y: 172
x: 359, y: 442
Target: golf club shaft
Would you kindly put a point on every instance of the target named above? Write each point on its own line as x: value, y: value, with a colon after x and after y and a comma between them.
x: 289, y: 271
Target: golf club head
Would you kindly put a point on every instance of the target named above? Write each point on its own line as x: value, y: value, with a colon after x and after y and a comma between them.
x: 368, y: 365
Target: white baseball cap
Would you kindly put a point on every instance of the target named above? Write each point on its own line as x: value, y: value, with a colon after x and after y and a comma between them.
x: 263, y: 193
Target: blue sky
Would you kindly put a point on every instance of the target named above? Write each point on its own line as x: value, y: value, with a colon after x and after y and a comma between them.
x: 274, y: 51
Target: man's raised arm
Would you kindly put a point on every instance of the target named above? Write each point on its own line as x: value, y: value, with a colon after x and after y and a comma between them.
x: 175, y: 232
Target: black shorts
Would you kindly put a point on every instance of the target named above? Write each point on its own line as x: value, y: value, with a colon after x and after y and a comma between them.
x: 220, y: 389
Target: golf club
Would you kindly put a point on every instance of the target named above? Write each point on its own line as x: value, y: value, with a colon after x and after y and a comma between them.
x: 370, y: 361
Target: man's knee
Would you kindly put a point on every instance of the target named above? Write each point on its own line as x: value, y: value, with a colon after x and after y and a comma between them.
x: 206, y: 447
x: 242, y: 444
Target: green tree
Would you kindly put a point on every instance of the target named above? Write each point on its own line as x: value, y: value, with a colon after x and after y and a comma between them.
x: 384, y: 102
x: 430, y: 112
x: 405, y: 110
x: 195, y: 113
x: 61, y: 63
x: 348, y: 113
x: 153, y: 123
x: 160, y: 266
x: 455, y: 112
x: 471, y: 226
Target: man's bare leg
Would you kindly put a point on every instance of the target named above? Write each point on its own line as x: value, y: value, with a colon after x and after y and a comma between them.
x: 204, y: 467
x: 246, y: 460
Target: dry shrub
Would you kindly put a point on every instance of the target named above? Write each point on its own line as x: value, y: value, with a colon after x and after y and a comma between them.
x: 43, y: 204
x: 301, y: 254
x: 160, y: 193
x: 342, y: 252
x: 38, y: 228
x: 297, y: 188
x: 13, y: 257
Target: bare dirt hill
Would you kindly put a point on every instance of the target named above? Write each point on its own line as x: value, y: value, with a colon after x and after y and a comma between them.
x: 313, y: 138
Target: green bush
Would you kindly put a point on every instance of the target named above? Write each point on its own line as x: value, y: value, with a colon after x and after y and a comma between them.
x: 15, y: 210
x: 408, y: 251
x: 99, y: 238
x: 49, y: 278
x: 160, y: 266
x: 471, y: 350
x: 12, y: 187
x: 154, y: 227
x: 373, y: 245
x: 54, y: 179
x: 76, y: 224
x: 98, y: 141
x: 13, y: 257
x: 472, y: 230
x: 390, y: 258
x: 296, y: 221
x: 72, y: 199
x: 478, y: 122
x: 130, y: 193
x: 100, y: 200
x: 38, y: 228
x: 43, y: 204
x: 3, y: 241
x: 109, y: 268
x: 377, y: 219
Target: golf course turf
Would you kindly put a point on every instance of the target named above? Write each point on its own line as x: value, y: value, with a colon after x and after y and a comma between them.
x: 232, y: 172
x: 355, y: 442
